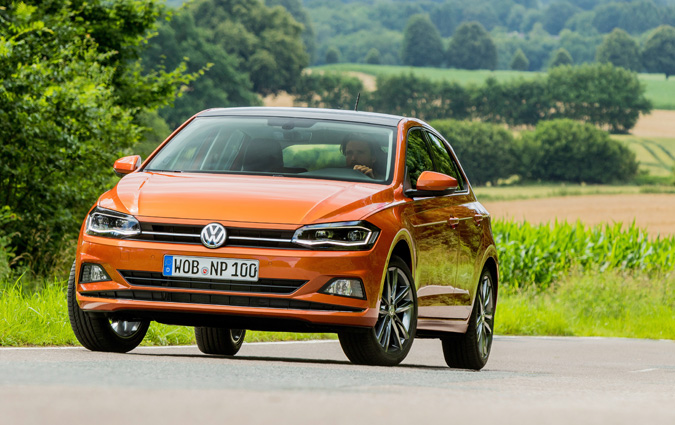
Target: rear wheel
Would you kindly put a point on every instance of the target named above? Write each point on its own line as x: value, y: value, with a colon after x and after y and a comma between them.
x: 221, y: 341
x: 472, y: 349
x: 99, y: 333
x: 389, y: 341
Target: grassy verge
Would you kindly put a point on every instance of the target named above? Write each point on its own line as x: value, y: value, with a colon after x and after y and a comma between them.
x: 40, y: 318
x: 599, y: 304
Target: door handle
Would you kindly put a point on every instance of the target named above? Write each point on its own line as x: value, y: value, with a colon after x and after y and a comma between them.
x: 453, y: 222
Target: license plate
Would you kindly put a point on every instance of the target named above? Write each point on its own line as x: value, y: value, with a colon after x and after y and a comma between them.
x: 211, y: 268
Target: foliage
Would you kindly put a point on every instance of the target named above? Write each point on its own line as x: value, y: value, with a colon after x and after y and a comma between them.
x: 537, y: 255
x: 327, y: 90
x: 659, y: 51
x: 422, y: 44
x: 373, y: 57
x: 556, y: 15
x: 68, y: 105
x: 406, y: 94
x: 570, y: 151
x: 221, y: 84
x: 332, y: 55
x: 472, y: 47
x: 519, y: 61
x: 600, y: 94
x: 266, y: 42
x: 619, y: 49
x: 477, y: 144
x: 299, y: 13
x: 561, y: 57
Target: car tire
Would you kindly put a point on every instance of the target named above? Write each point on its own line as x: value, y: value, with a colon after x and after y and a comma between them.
x: 219, y: 341
x: 97, y: 332
x: 471, y: 350
x: 389, y: 341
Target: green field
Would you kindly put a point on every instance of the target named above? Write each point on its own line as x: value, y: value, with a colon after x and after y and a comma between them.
x: 659, y: 90
x: 656, y: 155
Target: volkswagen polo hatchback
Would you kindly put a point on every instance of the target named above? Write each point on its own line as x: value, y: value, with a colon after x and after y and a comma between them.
x: 290, y: 219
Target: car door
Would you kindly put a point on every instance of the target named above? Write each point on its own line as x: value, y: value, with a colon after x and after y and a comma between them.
x: 436, y: 240
x: 466, y: 216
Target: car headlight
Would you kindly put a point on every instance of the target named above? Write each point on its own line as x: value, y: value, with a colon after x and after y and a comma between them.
x: 351, y: 235
x: 112, y: 224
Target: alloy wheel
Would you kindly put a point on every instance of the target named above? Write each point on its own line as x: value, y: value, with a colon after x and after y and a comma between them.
x: 485, y: 316
x: 392, y: 329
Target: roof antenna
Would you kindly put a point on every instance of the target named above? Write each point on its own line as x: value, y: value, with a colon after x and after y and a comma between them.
x: 356, y: 107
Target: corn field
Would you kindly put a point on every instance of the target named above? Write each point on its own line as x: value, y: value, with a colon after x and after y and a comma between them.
x: 539, y: 254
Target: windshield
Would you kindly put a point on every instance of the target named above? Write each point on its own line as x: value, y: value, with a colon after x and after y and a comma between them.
x: 294, y: 147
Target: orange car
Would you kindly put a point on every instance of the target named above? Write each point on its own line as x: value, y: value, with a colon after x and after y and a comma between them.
x: 291, y: 219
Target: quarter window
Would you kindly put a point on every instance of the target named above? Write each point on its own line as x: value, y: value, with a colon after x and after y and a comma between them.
x: 417, y: 157
x: 444, y: 163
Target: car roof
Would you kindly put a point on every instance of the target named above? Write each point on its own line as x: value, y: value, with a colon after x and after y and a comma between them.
x: 313, y: 113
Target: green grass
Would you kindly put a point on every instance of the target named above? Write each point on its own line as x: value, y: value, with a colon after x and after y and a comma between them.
x: 537, y: 191
x: 40, y: 318
x: 656, y: 155
x: 598, y: 304
x: 659, y: 90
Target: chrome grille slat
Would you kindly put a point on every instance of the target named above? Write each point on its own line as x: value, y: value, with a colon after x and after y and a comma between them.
x: 238, y: 237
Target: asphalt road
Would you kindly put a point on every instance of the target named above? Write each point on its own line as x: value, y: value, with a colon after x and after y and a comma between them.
x: 527, y: 381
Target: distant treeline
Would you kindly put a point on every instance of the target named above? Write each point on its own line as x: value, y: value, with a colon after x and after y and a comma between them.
x: 375, y: 31
x: 601, y: 94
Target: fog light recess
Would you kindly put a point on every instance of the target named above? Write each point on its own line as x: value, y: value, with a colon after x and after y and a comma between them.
x: 93, y: 273
x: 345, y: 287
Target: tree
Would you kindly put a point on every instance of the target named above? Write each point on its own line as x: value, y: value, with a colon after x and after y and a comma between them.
x: 422, y: 44
x: 659, y: 51
x: 265, y: 41
x: 561, y: 57
x: 68, y: 108
x: 332, y: 55
x: 519, y: 61
x: 556, y: 15
x: 600, y: 94
x: 619, y: 49
x: 472, y: 48
x: 222, y: 83
x: 295, y: 8
x: 373, y: 57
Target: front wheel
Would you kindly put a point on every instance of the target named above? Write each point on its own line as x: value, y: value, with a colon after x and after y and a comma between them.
x: 389, y: 341
x: 472, y: 349
x: 220, y: 341
x: 98, y: 333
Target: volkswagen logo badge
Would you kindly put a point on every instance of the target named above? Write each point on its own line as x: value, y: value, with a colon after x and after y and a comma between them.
x: 213, y: 235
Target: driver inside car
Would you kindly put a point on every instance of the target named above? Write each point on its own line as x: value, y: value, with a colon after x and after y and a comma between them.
x: 360, y: 154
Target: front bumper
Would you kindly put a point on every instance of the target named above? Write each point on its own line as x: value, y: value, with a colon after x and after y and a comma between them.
x: 138, y: 289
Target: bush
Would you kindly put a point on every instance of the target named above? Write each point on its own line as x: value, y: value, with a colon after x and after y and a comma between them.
x: 570, y: 151
x: 486, y: 151
x: 328, y: 90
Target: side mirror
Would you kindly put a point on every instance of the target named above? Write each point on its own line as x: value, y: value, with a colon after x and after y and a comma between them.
x: 126, y: 165
x: 431, y: 183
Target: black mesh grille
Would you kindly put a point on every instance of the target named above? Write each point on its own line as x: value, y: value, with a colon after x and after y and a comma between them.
x: 264, y: 286
x: 217, y: 299
x: 187, y: 234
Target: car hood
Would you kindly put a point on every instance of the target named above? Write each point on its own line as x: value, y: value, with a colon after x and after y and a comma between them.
x: 251, y: 199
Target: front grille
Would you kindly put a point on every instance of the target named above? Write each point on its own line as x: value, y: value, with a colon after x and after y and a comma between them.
x: 264, y: 286
x: 217, y: 299
x: 187, y: 234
